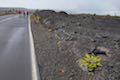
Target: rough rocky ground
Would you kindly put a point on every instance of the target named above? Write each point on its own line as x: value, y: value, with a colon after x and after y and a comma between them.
x: 62, y: 39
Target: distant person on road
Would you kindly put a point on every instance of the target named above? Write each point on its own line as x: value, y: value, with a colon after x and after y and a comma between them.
x: 24, y: 13
x: 27, y: 13
x: 19, y: 12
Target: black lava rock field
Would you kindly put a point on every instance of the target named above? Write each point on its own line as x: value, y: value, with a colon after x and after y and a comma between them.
x: 61, y: 39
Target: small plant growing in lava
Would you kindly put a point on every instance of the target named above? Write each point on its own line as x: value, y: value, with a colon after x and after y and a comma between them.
x: 35, y: 18
x: 90, y: 62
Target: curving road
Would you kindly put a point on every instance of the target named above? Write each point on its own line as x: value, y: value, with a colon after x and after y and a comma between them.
x: 15, y: 63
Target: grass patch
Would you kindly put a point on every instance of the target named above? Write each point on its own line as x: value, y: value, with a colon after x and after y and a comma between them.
x: 107, y: 17
x: 35, y: 18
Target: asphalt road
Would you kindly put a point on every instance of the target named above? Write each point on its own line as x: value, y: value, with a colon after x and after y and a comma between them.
x: 14, y: 48
x: 4, y: 17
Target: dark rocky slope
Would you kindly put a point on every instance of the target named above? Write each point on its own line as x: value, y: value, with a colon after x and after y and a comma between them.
x: 61, y: 39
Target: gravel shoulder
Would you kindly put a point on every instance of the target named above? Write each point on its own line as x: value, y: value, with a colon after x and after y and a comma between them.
x: 54, y: 65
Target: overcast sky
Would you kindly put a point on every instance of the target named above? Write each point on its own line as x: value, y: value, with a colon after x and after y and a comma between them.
x: 74, y: 6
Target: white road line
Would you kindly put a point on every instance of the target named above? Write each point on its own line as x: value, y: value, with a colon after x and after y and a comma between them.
x: 35, y: 75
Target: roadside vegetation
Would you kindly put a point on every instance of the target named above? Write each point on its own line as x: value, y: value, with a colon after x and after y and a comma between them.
x: 7, y: 12
x: 35, y: 18
x: 90, y: 62
x: 108, y: 17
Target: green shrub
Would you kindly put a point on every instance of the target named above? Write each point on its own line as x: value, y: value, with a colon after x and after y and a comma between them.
x: 90, y: 62
x: 35, y: 18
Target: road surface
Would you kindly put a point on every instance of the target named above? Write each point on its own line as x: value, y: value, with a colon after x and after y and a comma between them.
x: 15, y: 63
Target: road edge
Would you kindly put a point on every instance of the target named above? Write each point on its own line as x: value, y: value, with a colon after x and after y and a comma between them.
x: 35, y: 71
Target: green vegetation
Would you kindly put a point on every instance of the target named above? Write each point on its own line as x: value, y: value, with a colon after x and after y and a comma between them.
x: 90, y: 62
x: 108, y: 17
x: 35, y: 18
